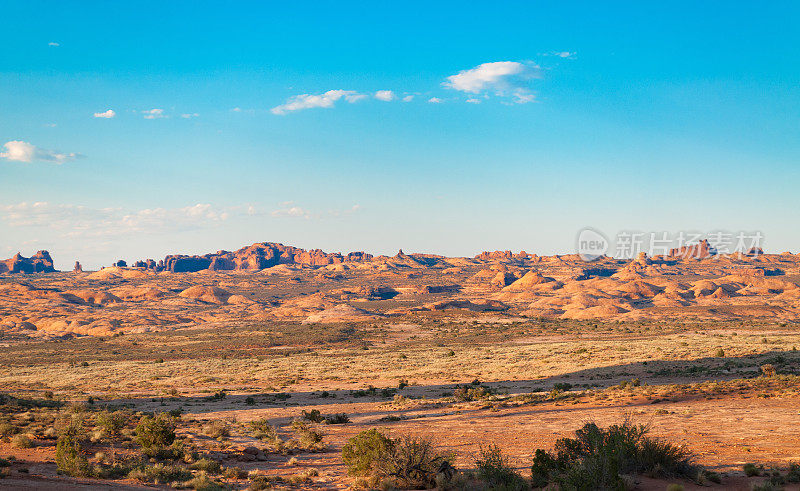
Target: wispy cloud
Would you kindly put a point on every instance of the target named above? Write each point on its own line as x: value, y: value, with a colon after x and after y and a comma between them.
x: 20, y: 151
x: 385, y: 95
x: 82, y: 221
x: 189, y: 115
x: 308, y: 101
x: 53, y: 44
x: 408, y: 98
x: 501, y: 78
x: 154, y: 114
x: 106, y: 114
x: 293, y: 211
x: 434, y: 100
x: 563, y: 54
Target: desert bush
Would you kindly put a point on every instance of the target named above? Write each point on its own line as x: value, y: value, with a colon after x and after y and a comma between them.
x: 234, y: 473
x: 112, y: 423
x: 207, y: 465
x: 155, y: 433
x: 265, y: 431
x: 337, y: 419
x: 201, y: 482
x: 260, y: 483
x: 21, y: 441
x: 306, y: 436
x: 471, y: 393
x: 720, y: 353
x: 768, y: 370
x: 793, y: 474
x: 413, y: 463
x: 362, y: 452
x: 7, y: 429
x: 406, y: 463
x: 217, y: 429
x: 217, y: 396
x: 314, y: 416
x: 751, y: 470
x: 603, y: 456
x: 69, y: 455
x: 160, y: 473
x: 494, y: 471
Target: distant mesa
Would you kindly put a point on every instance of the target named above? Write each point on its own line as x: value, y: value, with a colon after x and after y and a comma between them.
x: 258, y: 256
x: 41, y: 262
x: 701, y: 250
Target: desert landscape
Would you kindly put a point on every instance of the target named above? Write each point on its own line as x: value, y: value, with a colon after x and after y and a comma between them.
x: 266, y: 362
x: 457, y: 246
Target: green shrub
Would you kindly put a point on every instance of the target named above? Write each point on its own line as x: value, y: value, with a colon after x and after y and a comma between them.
x: 472, y: 393
x: 7, y: 429
x: 314, y: 416
x: 413, y: 463
x: 496, y: 473
x: 155, y: 433
x: 217, y: 429
x: 337, y: 419
x: 234, y: 473
x: 21, y: 441
x: 362, y: 452
x: 751, y: 470
x: 603, y: 456
x: 160, y: 473
x: 265, y: 431
x: 207, y: 465
x: 307, y: 437
x: 201, y: 482
x: 69, y: 456
x: 406, y: 463
x: 111, y: 424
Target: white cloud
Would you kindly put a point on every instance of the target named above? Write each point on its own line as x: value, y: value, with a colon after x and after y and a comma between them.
x: 189, y: 115
x: 107, y: 114
x: 294, y: 211
x: 154, y: 114
x: 308, y: 101
x: 236, y: 110
x: 564, y: 54
x: 502, y: 78
x: 20, y: 151
x: 53, y: 44
x: 408, y: 98
x: 384, y: 95
x: 473, y: 100
x: 434, y: 100
x: 82, y: 221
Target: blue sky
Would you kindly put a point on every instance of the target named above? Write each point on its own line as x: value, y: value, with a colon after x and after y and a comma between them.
x: 510, y: 126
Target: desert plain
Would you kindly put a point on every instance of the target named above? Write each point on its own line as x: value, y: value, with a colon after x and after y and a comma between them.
x: 261, y: 365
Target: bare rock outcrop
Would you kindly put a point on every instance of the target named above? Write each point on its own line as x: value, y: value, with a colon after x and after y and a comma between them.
x: 257, y: 257
x: 41, y: 262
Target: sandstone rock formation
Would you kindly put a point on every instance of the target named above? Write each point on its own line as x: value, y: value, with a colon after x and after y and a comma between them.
x: 41, y: 262
x: 256, y: 257
x: 701, y: 250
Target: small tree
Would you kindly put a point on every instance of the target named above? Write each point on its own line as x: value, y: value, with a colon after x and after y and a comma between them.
x: 155, y: 433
